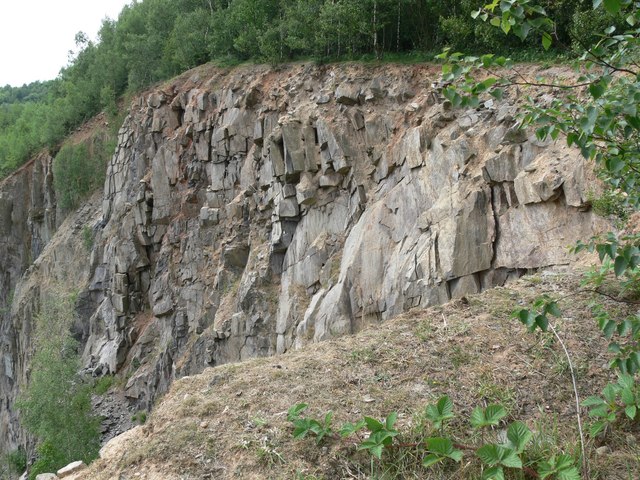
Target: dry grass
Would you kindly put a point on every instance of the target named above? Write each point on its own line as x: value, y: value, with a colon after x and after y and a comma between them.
x: 230, y: 421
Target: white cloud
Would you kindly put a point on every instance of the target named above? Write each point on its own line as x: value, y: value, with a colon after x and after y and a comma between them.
x: 36, y: 35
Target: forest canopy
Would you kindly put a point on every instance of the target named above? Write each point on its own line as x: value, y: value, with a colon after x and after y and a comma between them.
x: 153, y: 40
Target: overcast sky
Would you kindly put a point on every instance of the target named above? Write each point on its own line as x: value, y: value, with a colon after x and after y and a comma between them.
x: 36, y: 35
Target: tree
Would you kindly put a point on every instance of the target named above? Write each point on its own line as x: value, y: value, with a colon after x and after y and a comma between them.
x: 56, y: 404
x: 597, y: 113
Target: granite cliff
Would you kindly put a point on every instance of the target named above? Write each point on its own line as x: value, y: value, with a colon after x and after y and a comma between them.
x: 250, y: 211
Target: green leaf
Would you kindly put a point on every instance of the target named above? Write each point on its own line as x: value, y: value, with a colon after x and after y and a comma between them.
x: 596, y: 90
x: 569, y: 474
x: 494, y: 473
x: 562, y: 467
x: 443, y: 447
x: 612, y: 6
x: 627, y: 397
x: 376, y: 451
x: 489, y: 454
x: 493, y: 414
x: 350, y: 428
x: 391, y: 420
x: 505, y: 24
x: 546, y: 40
x: 510, y: 458
x: 373, y: 424
x: 440, y: 411
x: 620, y: 265
x: 518, y: 435
x: 494, y: 455
x: 431, y: 459
x: 497, y: 93
x: 294, y: 412
x: 597, y: 427
x: 626, y: 381
x: 553, y: 309
x: 609, y: 329
x: 631, y: 411
x: 543, y: 322
x: 609, y: 392
x: 495, y: 21
x: 592, y: 401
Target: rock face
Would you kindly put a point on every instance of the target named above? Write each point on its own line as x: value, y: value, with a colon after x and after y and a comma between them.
x: 28, y: 221
x: 251, y: 211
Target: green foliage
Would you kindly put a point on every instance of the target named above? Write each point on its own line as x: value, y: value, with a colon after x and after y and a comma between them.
x: 560, y: 467
x: 618, y: 399
x: 15, y: 461
x: 139, y: 417
x: 381, y: 434
x: 537, y: 317
x: 79, y: 170
x: 439, y: 412
x: 440, y: 449
x: 304, y: 426
x: 156, y: 39
x: 611, y: 204
x: 624, y: 336
x: 496, y: 457
x: 103, y: 384
x: 87, y: 238
x: 487, y: 417
x: 55, y: 406
x: 624, y: 252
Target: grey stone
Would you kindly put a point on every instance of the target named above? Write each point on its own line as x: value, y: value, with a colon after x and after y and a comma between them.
x: 72, y: 468
x: 330, y: 179
x: 347, y: 94
x: 288, y: 208
x: 162, y: 308
x: 236, y: 255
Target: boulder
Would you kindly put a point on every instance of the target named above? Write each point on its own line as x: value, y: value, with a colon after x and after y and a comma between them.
x: 72, y: 468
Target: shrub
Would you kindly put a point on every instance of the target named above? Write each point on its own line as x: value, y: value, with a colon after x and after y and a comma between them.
x: 79, y: 170
x: 55, y: 406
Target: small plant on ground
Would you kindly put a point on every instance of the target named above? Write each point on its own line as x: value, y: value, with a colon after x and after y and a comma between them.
x: 304, y: 426
x: 139, y: 417
x: 103, y: 384
x: 496, y: 455
x: 87, y: 238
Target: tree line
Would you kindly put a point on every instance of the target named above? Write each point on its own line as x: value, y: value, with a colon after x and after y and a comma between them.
x: 153, y: 40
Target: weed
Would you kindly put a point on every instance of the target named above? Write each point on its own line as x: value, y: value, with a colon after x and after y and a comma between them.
x: 364, y: 355
x: 135, y: 363
x: 87, y: 238
x: 460, y: 357
x: 268, y: 454
x: 493, y: 392
x: 611, y: 204
x: 139, y: 417
x: 434, y: 448
x: 424, y: 331
x: 16, y: 461
x: 103, y: 384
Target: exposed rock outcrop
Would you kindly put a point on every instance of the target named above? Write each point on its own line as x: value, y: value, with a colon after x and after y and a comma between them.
x: 248, y: 212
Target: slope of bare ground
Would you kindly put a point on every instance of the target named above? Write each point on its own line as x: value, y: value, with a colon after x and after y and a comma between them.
x: 230, y: 421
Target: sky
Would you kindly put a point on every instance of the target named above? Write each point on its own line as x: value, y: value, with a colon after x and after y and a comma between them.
x: 36, y: 35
